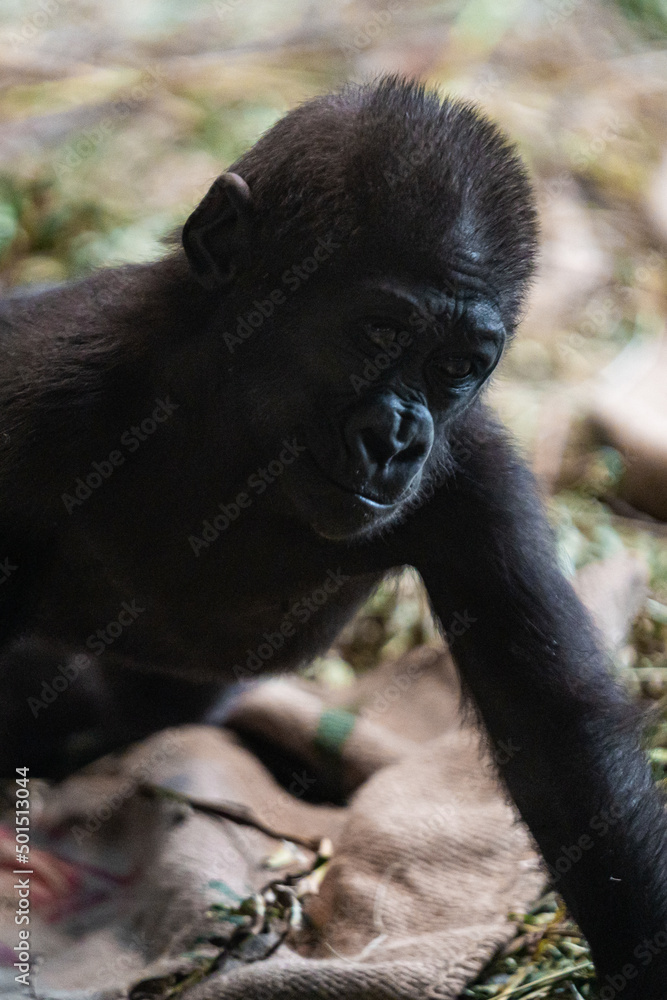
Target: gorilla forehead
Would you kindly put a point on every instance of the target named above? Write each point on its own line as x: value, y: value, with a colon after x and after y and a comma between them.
x: 391, y: 171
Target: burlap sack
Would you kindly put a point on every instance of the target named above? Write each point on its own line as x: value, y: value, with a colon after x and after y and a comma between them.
x: 428, y: 859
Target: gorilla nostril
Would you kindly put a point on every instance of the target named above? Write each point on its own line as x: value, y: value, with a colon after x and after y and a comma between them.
x: 412, y: 452
x: 379, y: 448
x: 387, y: 440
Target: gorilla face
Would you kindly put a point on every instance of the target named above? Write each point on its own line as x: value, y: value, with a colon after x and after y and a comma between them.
x: 392, y: 363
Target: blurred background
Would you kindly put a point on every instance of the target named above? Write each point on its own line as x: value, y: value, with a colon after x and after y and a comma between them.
x: 115, y: 118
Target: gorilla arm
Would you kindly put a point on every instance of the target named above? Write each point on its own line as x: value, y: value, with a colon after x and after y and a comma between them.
x: 531, y: 660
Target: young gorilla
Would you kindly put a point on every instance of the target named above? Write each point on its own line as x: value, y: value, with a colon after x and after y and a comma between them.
x: 208, y: 463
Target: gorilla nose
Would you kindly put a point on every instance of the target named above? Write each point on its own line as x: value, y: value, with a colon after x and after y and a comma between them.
x: 388, y: 441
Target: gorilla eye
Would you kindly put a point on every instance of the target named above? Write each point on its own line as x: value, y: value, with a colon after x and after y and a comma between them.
x: 456, y: 368
x: 453, y: 373
x: 380, y: 333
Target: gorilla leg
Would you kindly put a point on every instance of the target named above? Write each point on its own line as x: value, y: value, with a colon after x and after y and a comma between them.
x: 59, y: 711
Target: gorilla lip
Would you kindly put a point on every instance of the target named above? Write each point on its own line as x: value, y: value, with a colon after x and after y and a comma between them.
x: 371, y: 501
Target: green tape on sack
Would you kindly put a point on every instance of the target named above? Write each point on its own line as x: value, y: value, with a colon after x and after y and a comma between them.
x: 333, y: 729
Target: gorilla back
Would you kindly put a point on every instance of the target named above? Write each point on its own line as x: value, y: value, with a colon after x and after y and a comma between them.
x: 207, y: 463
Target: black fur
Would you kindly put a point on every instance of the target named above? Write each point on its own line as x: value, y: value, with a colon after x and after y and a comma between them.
x: 344, y: 293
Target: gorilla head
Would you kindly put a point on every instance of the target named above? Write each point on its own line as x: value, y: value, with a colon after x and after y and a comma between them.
x: 392, y: 235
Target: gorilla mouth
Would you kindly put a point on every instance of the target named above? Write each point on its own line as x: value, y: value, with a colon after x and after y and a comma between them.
x: 371, y: 501
x: 354, y: 491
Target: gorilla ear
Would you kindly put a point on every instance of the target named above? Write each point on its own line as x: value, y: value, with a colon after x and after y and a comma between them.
x: 216, y: 237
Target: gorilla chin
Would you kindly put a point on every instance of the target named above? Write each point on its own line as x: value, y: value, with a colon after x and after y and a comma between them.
x: 356, y: 518
x: 339, y: 513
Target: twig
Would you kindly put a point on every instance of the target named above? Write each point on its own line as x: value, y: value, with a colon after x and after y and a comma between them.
x: 552, y: 977
x: 514, y: 981
x: 233, y: 811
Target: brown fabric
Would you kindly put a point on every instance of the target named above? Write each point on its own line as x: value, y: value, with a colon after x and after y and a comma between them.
x: 428, y: 861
